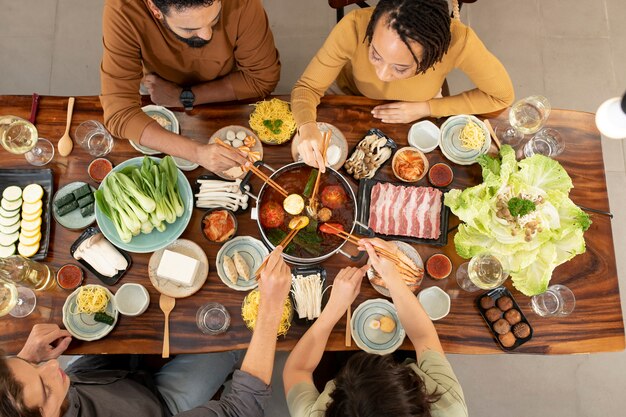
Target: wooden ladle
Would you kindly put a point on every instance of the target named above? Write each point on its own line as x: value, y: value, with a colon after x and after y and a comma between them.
x: 65, y: 144
x: 167, y: 304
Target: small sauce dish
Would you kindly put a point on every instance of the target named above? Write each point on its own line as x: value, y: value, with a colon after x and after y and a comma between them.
x: 435, y: 301
x: 424, y: 136
x: 132, y: 299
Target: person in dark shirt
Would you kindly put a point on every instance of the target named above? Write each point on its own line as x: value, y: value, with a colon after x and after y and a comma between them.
x: 33, y: 383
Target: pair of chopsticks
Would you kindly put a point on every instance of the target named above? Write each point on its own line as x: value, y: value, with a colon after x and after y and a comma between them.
x: 292, y: 233
x: 258, y: 172
x: 400, y: 264
x: 493, y: 133
x: 325, y: 143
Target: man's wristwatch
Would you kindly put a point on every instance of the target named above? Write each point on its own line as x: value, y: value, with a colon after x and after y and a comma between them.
x: 187, y: 98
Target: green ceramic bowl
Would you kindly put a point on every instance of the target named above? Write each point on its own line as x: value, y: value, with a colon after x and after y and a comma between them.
x: 151, y: 242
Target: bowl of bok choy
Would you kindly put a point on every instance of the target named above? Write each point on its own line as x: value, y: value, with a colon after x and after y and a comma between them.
x: 144, y: 204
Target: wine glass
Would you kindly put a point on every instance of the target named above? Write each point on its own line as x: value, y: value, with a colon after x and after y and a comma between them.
x: 483, y: 271
x: 557, y: 301
x: 526, y: 117
x: 20, y: 137
x: 16, y: 301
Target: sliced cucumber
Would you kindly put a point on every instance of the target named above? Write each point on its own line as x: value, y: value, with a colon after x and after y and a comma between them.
x: 27, y: 250
x: 11, y: 205
x: 30, y: 217
x: 7, y: 213
x: 30, y: 233
x: 30, y: 240
x: 7, y: 230
x: 32, y: 193
x: 6, y: 240
x: 12, y: 193
x: 31, y: 208
x: 7, y: 251
x: 9, y: 221
x: 32, y: 224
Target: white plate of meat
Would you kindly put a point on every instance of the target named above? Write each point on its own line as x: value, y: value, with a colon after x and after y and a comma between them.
x: 410, y: 257
x: 410, y: 213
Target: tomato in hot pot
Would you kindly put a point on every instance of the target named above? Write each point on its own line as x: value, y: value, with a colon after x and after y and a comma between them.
x: 271, y: 214
x: 333, y: 196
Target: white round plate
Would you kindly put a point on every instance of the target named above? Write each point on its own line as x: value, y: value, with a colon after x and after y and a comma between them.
x: 146, y: 243
x: 184, y: 164
x: 252, y: 250
x: 221, y: 133
x: 167, y: 287
x: 374, y: 340
x: 337, y: 138
x: 82, y: 326
x: 174, y: 126
x: 450, y: 144
x: 409, y: 251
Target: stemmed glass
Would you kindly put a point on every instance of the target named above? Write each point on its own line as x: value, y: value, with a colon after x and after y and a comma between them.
x: 483, y: 271
x: 526, y: 117
x: 16, y: 300
x: 20, y: 137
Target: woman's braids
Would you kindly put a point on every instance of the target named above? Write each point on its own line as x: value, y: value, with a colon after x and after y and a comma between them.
x: 426, y: 22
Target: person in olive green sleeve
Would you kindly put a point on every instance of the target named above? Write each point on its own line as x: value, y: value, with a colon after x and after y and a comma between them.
x: 373, y: 385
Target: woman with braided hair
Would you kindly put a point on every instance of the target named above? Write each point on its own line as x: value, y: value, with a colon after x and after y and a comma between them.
x: 401, y: 51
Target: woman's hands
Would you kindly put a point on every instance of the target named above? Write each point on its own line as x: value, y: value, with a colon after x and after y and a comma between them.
x: 310, y: 146
x: 346, y: 287
x: 401, y: 111
x: 385, y: 268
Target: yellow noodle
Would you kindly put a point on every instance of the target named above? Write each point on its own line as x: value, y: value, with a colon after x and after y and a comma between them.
x: 91, y: 300
x: 472, y: 136
x: 250, y: 311
x: 272, y: 110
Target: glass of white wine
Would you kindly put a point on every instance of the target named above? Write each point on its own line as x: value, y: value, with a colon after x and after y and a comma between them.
x: 20, y: 137
x: 483, y: 271
x: 16, y: 300
x: 526, y: 117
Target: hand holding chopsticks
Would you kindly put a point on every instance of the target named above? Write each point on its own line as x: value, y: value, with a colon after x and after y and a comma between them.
x: 325, y: 142
x: 284, y: 243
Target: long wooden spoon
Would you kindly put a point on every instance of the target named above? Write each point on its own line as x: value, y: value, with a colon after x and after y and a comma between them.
x: 167, y: 304
x: 65, y: 144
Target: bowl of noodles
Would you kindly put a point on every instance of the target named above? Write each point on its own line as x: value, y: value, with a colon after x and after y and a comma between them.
x: 80, y: 309
x: 273, y: 121
x: 463, y: 139
x: 250, y: 312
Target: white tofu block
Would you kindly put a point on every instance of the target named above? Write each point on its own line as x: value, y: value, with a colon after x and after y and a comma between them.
x: 178, y: 268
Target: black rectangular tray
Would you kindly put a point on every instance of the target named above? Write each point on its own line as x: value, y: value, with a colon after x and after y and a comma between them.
x: 495, y: 294
x: 90, y: 231
x: 391, y: 144
x: 363, y: 203
x: 43, y: 177
x: 310, y: 270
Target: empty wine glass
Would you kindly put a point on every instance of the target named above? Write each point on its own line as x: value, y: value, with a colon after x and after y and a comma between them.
x: 547, y: 142
x: 557, y: 301
x: 526, y: 117
x: 483, y: 271
x: 20, y: 137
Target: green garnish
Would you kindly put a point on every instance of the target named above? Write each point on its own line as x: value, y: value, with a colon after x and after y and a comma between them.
x: 520, y: 206
x: 104, y: 318
x: 273, y: 125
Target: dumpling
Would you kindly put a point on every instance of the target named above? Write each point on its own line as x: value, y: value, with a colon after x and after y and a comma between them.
x: 242, y: 266
x: 229, y: 269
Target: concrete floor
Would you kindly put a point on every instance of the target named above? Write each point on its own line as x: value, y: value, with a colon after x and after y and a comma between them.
x: 572, y: 51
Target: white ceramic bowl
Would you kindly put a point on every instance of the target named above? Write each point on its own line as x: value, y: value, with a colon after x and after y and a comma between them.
x: 435, y: 301
x: 132, y: 299
x: 424, y: 136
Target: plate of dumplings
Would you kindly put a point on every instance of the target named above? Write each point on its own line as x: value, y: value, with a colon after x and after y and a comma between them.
x: 238, y: 260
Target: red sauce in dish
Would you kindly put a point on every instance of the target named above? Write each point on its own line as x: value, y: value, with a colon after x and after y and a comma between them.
x: 99, y: 168
x: 69, y: 276
x: 439, y: 266
x: 440, y: 175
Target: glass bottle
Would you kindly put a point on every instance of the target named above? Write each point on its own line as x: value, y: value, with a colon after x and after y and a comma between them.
x: 26, y: 272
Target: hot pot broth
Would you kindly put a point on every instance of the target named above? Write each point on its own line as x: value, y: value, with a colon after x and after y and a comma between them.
x: 309, y: 242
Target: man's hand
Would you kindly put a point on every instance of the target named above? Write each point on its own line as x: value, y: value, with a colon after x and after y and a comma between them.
x: 162, y: 92
x: 401, y: 111
x: 45, y: 342
x: 217, y: 159
x: 274, y: 283
x: 310, y: 146
x: 346, y: 287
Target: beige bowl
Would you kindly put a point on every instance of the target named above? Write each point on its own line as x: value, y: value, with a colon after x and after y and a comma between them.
x: 412, y: 152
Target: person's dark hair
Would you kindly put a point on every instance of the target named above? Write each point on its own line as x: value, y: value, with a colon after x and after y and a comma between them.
x: 166, y: 5
x: 426, y: 22
x: 377, y: 386
x: 12, y: 394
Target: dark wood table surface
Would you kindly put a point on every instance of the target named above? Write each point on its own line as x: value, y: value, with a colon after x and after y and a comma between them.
x: 596, y: 325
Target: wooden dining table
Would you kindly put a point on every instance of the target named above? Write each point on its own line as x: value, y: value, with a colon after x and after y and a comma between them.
x: 596, y: 324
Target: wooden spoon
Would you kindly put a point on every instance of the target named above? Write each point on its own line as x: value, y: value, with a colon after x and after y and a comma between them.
x: 167, y: 304
x: 65, y: 144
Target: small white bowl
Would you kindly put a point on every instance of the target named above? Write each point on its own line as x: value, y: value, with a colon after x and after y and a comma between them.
x: 436, y: 302
x: 424, y: 136
x: 132, y: 299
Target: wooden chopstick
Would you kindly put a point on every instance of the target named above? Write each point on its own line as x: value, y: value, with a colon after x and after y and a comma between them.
x: 257, y: 171
x: 493, y: 133
x: 325, y: 143
x: 292, y: 233
x: 348, y: 327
